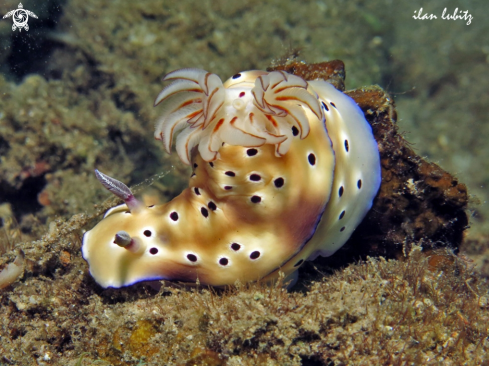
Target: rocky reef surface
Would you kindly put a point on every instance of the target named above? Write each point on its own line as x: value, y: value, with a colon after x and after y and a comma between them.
x: 82, y: 98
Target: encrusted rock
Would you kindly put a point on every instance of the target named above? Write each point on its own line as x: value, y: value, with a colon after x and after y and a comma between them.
x: 418, y: 201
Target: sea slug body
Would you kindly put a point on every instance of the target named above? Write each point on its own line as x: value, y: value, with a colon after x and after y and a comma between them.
x: 283, y: 171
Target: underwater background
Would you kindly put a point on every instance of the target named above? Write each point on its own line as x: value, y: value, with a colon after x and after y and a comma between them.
x: 77, y: 92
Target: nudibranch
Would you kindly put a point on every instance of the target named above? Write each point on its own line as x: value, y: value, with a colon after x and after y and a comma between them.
x: 283, y: 171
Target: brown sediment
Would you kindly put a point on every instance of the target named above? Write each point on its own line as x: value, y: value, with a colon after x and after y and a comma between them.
x: 333, y: 71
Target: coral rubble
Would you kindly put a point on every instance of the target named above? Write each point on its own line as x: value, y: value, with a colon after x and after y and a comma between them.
x: 423, y: 309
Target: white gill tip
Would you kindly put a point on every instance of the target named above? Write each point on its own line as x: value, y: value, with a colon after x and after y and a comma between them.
x: 191, y: 74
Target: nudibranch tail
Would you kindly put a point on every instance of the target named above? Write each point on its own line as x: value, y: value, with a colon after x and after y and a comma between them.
x: 283, y: 171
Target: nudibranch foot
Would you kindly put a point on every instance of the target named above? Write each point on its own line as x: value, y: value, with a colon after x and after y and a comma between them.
x: 284, y: 170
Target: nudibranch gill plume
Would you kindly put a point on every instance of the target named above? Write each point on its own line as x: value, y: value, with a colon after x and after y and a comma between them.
x: 283, y: 171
